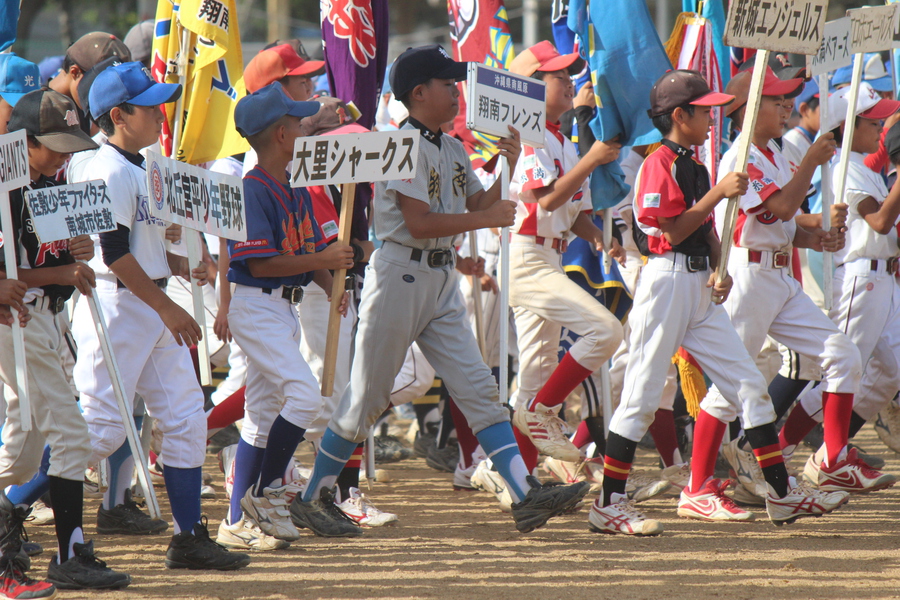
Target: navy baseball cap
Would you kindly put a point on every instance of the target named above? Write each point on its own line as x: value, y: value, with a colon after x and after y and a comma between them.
x: 418, y: 65
x: 17, y: 77
x: 257, y: 111
x: 129, y: 82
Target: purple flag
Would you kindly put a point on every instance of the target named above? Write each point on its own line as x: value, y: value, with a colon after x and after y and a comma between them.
x: 355, y: 35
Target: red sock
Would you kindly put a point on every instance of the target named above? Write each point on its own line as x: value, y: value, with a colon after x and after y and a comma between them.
x: 355, y: 460
x: 796, y: 427
x: 231, y: 409
x: 527, y: 450
x: 153, y: 458
x: 565, y: 378
x: 837, y: 408
x: 663, y: 431
x: 582, y: 436
x: 708, y: 433
x: 468, y: 443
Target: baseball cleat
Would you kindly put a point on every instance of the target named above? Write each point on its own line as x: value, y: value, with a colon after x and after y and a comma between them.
x: 271, y: 512
x: 462, y: 477
x: 546, y: 431
x: 746, y: 468
x: 196, y: 550
x: 710, y: 503
x: 443, y: 459
x: 359, y: 508
x: 887, y: 426
x: 802, y: 501
x: 323, y: 517
x: 545, y: 501
x: 641, y: 486
x: 127, y: 518
x: 621, y: 516
x: 84, y: 571
x: 14, y: 583
x: 678, y: 475
x: 41, y: 514
x: 744, y: 496
x: 848, y: 475
x: 487, y: 480
x: 246, y: 535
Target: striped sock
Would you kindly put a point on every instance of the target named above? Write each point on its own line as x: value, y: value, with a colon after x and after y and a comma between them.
x: 767, y: 450
x: 616, y: 465
x: 500, y: 446
x: 349, y: 476
x: 334, y: 452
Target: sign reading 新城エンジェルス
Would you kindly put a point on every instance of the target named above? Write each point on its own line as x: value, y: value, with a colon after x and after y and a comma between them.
x: 835, y: 51
x: 196, y: 198
x: 777, y: 25
x: 65, y: 211
x: 497, y: 99
x: 872, y: 28
x: 355, y: 158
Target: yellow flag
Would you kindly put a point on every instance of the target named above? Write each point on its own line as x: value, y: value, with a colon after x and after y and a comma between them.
x: 214, y: 78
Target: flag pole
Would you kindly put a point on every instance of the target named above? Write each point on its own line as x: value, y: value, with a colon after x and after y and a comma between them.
x: 476, y: 299
x: 504, y: 290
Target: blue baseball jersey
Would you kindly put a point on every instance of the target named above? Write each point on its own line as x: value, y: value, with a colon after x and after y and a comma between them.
x: 279, y: 221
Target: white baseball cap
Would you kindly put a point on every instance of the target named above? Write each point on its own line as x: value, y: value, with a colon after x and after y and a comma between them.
x: 869, y: 105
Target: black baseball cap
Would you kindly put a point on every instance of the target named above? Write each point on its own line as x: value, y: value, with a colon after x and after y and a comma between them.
x: 51, y: 118
x: 677, y: 88
x: 85, y: 83
x: 417, y: 65
x: 892, y: 141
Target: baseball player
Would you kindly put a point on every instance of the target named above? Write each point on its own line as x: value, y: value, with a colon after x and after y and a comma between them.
x: 148, y: 332
x: 673, y: 204
x: 866, y: 296
x: 411, y: 295
x: 553, y: 199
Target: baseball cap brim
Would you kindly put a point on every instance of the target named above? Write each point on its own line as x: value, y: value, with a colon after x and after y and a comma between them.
x: 571, y: 63
x: 67, y: 142
x: 882, y: 84
x: 301, y: 109
x: 782, y: 87
x: 882, y: 110
x: 713, y: 99
x: 158, y: 93
x: 12, y: 97
x: 457, y: 72
x: 310, y: 68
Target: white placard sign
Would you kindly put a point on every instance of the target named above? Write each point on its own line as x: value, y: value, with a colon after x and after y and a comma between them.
x: 872, y: 28
x: 64, y: 211
x: 496, y: 98
x: 14, y: 171
x: 355, y: 158
x: 776, y: 25
x: 835, y: 51
x: 196, y: 198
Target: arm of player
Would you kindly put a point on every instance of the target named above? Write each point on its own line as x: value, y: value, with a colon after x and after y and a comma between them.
x: 220, y: 326
x: 179, y: 266
x: 882, y: 218
x: 720, y: 289
x: 424, y: 224
x: 12, y: 292
x: 510, y: 148
x: 818, y: 239
x: 785, y: 203
x: 335, y: 256
x: 563, y: 189
x: 584, y: 228
x: 677, y: 229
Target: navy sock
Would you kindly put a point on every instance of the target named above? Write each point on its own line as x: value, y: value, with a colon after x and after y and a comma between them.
x: 247, y: 462
x: 284, y: 437
x: 499, y: 443
x: 29, y: 492
x: 334, y: 452
x: 183, y: 487
x: 784, y: 393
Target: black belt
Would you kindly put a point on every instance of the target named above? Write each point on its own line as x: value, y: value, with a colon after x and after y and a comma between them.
x: 55, y: 304
x: 435, y: 258
x: 694, y: 264
x: 293, y: 294
x: 160, y: 283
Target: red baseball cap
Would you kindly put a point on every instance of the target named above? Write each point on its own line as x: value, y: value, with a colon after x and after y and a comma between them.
x: 544, y: 56
x: 739, y: 87
x: 278, y: 62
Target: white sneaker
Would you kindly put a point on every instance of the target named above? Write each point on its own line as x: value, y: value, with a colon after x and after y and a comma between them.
x: 246, y: 535
x: 207, y: 492
x: 742, y: 495
x: 746, y: 468
x: 621, y: 517
x: 93, y: 484
x: 462, y: 477
x: 359, y: 508
x: 271, y: 512
x: 643, y: 486
x: 546, y: 431
x: 487, y: 480
x: 226, y: 464
x: 802, y: 500
x: 710, y: 503
x: 678, y: 475
x: 41, y: 514
x: 851, y: 475
x: 590, y: 470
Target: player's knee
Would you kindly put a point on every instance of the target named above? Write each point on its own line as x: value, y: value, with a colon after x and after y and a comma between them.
x: 102, y: 447
x: 847, y: 363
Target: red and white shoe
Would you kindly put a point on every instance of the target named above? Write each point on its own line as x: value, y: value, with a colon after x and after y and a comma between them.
x: 802, y: 501
x: 546, y: 431
x: 710, y: 503
x: 852, y: 475
x: 621, y: 517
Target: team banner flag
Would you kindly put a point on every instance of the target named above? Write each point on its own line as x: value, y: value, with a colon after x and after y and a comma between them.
x: 625, y: 58
x: 479, y: 30
x: 355, y: 37
x: 214, y: 79
x: 714, y: 12
x: 9, y: 21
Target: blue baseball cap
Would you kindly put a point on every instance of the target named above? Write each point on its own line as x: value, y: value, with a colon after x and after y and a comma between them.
x: 17, y: 77
x: 129, y: 82
x: 810, y: 91
x: 875, y: 73
x: 257, y: 111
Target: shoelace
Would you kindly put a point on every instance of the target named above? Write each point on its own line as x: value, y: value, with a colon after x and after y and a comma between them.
x: 866, y: 469
x: 89, y: 557
x: 725, y: 500
x: 333, y: 510
x: 552, y: 423
x: 629, y: 508
x: 14, y: 568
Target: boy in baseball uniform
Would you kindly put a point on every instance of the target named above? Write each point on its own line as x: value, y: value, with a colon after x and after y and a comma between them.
x: 866, y: 296
x: 673, y: 306
x: 411, y: 295
x: 553, y: 200
x: 149, y: 333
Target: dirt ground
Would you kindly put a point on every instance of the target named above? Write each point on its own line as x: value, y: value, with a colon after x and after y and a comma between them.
x: 458, y: 545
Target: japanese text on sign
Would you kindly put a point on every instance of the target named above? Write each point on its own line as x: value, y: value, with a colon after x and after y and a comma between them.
x: 354, y: 158
x: 14, y: 161
x: 835, y: 51
x: 196, y: 198
x: 496, y: 99
x: 777, y: 25
x: 872, y: 28
x: 62, y: 212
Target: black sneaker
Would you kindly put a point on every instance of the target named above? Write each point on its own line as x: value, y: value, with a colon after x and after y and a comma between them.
x: 389, y: 449
x: 13, y: 539
x: 323, y: 517
x: 443, y: 459
x: 423, y: 442
x: 545, y: 501
x: 129, y: 519
x: 84, y: 571
x: 198, y: 551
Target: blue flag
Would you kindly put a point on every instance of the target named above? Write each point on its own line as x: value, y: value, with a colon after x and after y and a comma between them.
x: 9, y: 20
x: 714, y: 12
x: 626, y: 58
